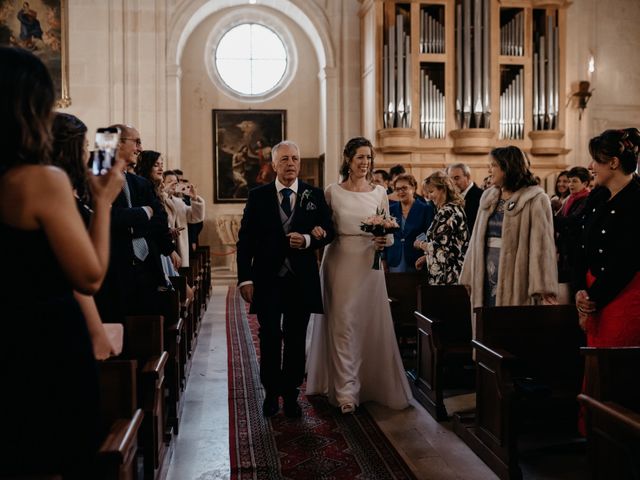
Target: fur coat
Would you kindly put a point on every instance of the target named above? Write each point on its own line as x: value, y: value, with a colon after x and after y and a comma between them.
x: 527, y: 268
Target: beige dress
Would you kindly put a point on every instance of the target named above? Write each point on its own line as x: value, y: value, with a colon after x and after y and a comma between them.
x: 354, y: 356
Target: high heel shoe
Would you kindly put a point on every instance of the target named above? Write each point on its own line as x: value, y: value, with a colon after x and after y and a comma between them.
x: 347, y: 408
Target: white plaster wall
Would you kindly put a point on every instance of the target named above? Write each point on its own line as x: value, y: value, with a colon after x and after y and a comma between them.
x: 117, y: 64
x: 199, y: 96
x: 610, y: 30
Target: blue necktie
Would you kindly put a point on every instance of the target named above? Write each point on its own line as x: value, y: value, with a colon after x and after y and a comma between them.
x: 140, y: 247
x: 285, y: 204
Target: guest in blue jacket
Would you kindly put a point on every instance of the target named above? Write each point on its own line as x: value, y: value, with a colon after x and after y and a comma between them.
x: 414, y: 218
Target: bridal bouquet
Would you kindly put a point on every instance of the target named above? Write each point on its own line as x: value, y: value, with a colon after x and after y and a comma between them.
x: 379, y: 225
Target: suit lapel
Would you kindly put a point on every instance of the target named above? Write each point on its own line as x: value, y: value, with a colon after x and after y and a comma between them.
x: 272, y: 204
x: 302, y: 187
x: 121, y: 199
x: 411, y: 218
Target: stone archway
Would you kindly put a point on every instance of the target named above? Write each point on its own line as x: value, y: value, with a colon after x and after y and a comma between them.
x: 312, y: 20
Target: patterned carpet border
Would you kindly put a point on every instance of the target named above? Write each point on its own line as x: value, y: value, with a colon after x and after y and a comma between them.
x: 324, y: 444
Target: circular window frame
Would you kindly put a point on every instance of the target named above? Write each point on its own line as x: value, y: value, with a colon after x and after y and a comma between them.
x: 264, y: 19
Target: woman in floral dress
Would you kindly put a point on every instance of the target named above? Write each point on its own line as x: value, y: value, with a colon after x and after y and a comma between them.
x: 447, y: 237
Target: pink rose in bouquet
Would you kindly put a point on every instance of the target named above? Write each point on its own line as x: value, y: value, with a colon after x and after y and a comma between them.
x: 379, y: 225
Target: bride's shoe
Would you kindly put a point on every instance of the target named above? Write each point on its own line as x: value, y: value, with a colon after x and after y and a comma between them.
x: 347, y: 408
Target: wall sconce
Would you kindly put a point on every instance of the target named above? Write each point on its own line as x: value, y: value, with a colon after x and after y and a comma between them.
x: 583, y: 95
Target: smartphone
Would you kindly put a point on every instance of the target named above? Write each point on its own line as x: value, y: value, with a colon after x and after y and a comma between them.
x: 107, y: 140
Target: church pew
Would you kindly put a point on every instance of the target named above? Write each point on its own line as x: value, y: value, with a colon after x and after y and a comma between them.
x: 610, y: 374
x: 443, y: 316
x: 611, y: 402
x: 193, y: 279
x: 197, y: 274
x: 144, y: 341
x: 174, y: 333
x: 402, y: 293
x: 205, y: 253
x: 186, y: 313
x: 529, y: 373
x: 199, y: 266
x: 613, y: 433
x: 120, y: 418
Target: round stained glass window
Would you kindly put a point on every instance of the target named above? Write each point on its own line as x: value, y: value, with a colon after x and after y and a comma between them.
x: 251, y: 59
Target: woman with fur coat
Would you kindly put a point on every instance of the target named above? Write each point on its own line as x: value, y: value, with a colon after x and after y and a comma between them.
x: 512, y: 257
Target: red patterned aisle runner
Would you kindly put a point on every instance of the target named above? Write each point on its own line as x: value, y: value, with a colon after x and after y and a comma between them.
x: 323, y: 444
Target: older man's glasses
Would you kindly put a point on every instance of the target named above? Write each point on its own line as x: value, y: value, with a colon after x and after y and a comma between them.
x: 404, y: 188
x: 137, y: 141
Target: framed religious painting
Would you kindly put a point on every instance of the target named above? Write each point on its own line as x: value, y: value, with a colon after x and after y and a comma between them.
x: 242, y: 142
x: 41, y: 27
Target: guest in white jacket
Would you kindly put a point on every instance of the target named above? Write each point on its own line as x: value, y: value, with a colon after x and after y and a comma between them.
x: 180, y: 214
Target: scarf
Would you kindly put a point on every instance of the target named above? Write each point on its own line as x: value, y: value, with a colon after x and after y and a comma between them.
x: 572, y: 198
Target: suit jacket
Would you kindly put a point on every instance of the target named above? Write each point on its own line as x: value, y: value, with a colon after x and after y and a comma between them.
x: 263, y: 246
x: 418, y: 221
x: 471, y: 205
x: 608, y: 243
x: 128, y: 223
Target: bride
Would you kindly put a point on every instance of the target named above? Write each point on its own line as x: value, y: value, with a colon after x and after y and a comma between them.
x: 354, y: 355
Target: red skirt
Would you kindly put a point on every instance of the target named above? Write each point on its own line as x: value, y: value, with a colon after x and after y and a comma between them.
x: 615, y: 325
x: 618, y: 323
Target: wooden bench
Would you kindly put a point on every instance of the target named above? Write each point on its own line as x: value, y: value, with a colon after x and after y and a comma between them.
x: 611, y: 401
x: 205, y: 254
x: 144, y: 341
x: 174, y: 343
x: 121, y: 418
x: 529, y: 373
x: 443, y: 316
x: 193, y: 279
x: 402, y: 293
x: 186, y: 313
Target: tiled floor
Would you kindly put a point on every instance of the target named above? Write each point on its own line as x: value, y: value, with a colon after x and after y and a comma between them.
x: 201, y: 451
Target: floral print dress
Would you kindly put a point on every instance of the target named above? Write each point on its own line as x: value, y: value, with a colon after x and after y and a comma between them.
x: 447, y: 242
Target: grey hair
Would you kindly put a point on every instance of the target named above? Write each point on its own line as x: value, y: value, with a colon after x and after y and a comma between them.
x: 462, y: 166
x: 284, y: 143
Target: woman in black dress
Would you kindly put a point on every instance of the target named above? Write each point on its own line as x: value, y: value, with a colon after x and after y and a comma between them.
x: 49, y: 400
x: 71, y: 153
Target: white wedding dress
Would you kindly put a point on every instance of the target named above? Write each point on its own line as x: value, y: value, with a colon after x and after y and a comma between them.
x: 354, y: 357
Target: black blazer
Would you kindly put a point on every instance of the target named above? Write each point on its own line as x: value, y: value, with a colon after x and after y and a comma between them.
x: 609, y: 242
x: 127, y: 224
x: 471, y: 205
x: 262, y: 245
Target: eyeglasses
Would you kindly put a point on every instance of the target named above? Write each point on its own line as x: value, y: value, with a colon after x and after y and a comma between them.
x: 137, y: 141
x: 402, y: 189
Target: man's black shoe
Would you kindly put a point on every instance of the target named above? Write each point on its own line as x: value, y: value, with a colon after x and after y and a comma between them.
x: 270, y: 406
x: 291, y: 408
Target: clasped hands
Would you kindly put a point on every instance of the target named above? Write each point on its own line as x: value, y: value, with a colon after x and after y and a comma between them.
x: 297, y: 240
x: 585, y: 306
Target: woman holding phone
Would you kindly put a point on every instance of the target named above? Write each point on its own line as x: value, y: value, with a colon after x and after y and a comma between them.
x: 181, y: 214
x: 50, y: 404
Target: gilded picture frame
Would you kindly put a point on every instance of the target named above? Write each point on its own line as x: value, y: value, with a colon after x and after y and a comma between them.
x: 42, y: 27
x: 242, y: 142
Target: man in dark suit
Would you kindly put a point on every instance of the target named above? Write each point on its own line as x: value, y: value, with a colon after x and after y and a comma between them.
x: 278, y: 273
x: 461, y: 176
x: 139, y: 234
